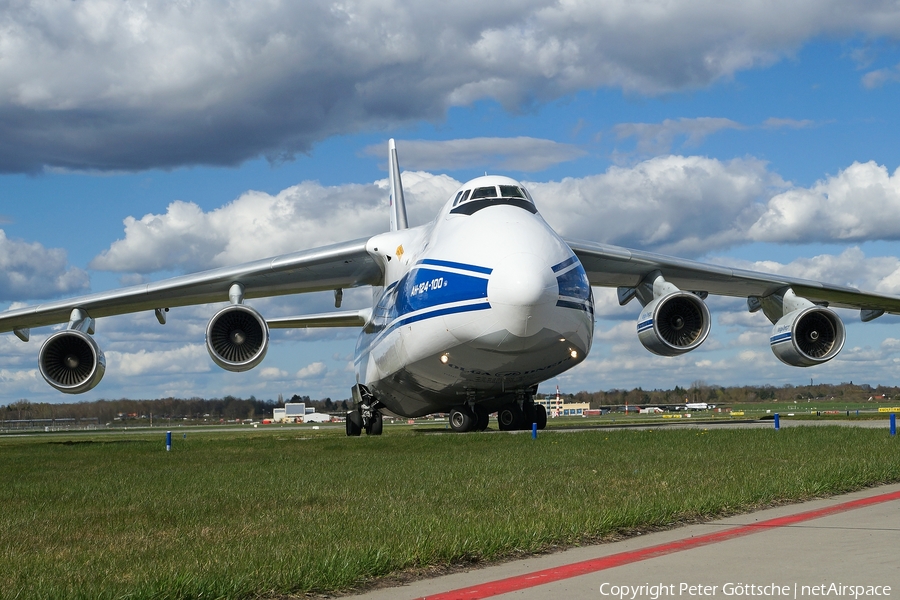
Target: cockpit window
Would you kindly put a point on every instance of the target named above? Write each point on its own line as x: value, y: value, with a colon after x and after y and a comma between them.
x: 462, y: 196
x: 511, y: 191
x: 472, y: 200
x: 484, y: 192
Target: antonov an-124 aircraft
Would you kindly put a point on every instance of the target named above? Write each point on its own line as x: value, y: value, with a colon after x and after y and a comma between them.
x: 470, y: 312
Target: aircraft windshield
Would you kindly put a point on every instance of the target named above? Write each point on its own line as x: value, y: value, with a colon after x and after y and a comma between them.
x: 511, y: 191
x: 473, y: 200
x: 484, y: 192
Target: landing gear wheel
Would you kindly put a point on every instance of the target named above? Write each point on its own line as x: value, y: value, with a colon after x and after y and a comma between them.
x: 530, y: 415
x: 540, y: 416
x: 461, y: 419
x: 354, y: 423
x: 510, y: 417
x: 482, y: 419
x: 376, y: 424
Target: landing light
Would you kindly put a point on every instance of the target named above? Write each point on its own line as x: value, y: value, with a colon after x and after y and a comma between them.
x: 573, y: 353
x: 445, y: 358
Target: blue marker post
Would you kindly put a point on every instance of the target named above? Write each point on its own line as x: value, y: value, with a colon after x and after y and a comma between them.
x: 893, y: 423
x: 777, y: 422
x: 534, y: 431
x: 168, y: 441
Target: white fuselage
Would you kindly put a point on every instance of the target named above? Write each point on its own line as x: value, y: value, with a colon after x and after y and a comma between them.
x: 481, y: 304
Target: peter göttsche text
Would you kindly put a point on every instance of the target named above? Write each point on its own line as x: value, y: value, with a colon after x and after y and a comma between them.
x: 794, y: 590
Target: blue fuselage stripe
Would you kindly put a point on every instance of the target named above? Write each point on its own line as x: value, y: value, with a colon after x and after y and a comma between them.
x: 565, y: 263
x: 427, y: 291
x: 439, y: 312
x: 455, y: 265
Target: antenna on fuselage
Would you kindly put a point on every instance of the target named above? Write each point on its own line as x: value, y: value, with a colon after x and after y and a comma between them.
x: 398, y: 204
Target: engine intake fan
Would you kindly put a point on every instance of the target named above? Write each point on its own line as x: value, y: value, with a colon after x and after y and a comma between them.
x: 674, y: 324
x: 71, y: 361
x: 807, y: 337
x: 237, y: 338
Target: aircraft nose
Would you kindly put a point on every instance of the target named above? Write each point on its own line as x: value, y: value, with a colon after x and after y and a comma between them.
x: 523, y: 291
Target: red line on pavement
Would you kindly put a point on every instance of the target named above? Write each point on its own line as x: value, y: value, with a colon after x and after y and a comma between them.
x: 521, y: 582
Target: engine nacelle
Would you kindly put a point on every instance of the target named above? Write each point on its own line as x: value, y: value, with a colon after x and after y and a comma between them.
x: 808, y: 336
x: 71, y: 361
x: 237, y: 338
x: 673, y: 324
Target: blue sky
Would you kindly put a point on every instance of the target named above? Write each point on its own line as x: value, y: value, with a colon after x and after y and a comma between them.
x: 142, y: 142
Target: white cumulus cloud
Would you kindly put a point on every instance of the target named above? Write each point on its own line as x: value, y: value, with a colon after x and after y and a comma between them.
x: 29, y: 270
x: 686, y: 205
x: 862, y: 202
x: 192, y: 358
x: 315, y: 370
x: 258, y: 225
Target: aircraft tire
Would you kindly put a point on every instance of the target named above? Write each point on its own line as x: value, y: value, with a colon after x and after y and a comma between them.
x: 376, y: 426
x: 482, y: 419
x: 529, y: 414
x: 461, y: 419
x: 354, y: 423
x: 510, y: 417
x: 540, y: 416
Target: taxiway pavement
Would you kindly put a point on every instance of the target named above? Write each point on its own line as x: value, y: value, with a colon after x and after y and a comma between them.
x: 824, y: 549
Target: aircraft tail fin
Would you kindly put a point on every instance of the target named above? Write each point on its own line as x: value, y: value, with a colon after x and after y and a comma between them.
x: 398, y: 204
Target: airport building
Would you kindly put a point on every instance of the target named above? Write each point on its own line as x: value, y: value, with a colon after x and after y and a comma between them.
x: 298, y: 412
x: 558, y: 407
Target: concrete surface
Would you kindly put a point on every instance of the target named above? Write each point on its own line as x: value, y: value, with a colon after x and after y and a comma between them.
x: 855, y: 546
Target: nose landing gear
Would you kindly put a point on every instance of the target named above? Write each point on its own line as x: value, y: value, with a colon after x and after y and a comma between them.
x: 365, y: 415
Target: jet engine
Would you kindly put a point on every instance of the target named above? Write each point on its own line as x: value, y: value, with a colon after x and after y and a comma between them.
x: 71, y: 361
x: 673, y: 324
x: 808, y: 336
x: 237, y: 338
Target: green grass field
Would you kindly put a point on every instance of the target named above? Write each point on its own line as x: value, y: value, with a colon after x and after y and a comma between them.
x: 278, y: 511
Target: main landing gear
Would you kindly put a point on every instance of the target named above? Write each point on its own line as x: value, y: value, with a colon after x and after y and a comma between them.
x: 365, y: 415
x: 521, y: 414
x: 516, y: 415
x: 468, y: 418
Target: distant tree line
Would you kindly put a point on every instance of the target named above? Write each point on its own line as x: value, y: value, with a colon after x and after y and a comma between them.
x: 232, y: 408
x: 228, y: 408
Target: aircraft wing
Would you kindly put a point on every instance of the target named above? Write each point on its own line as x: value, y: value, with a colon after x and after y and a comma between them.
x: 350, y: 318
x: 333, y: 267
x: 614, y: 266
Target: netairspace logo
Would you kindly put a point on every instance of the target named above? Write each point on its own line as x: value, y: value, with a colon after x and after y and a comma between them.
x: 770, y: 590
